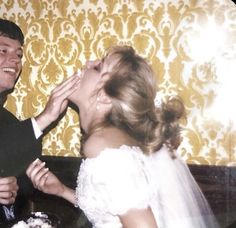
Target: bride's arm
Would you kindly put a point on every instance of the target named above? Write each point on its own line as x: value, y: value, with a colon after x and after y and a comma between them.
x: 68, y: 194
x: 44, y: 180
x: 136, y: 218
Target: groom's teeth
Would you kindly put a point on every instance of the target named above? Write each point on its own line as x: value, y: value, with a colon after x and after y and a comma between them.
x: 7, y: 69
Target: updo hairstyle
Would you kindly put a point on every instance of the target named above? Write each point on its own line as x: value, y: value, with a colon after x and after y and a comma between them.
x: 132, y: 89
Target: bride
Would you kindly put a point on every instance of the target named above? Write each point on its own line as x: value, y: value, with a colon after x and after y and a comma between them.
x: 131, y: 175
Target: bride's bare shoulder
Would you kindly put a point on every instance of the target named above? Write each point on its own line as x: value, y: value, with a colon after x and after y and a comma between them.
x: 94, y: 145
x: 106, y: 138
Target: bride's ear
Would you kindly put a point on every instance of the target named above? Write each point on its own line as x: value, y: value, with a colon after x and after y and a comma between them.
x: 103, y: 98
x: 101, y: 95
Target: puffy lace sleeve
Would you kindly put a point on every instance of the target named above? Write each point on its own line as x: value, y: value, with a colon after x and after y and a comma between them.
x: 113, y: 182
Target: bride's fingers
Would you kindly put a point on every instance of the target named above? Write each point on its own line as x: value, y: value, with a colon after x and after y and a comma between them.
x: 40, y: 175
x: 43, y: 180
x: 36, y: 170
x: 32, y: 166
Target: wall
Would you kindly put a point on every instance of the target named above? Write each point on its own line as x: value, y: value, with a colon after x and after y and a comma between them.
x: 190, y: 44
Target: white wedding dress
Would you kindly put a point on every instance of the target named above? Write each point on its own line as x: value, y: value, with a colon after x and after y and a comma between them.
x: 121, y: 179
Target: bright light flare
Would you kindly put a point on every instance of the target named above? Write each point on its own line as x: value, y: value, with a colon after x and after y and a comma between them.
x: 210, y: 43
x: 224, y: 106
x: 206, y: 42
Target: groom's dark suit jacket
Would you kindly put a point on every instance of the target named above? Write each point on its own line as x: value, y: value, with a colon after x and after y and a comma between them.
x: 18, y: 145
x: 18, y: 148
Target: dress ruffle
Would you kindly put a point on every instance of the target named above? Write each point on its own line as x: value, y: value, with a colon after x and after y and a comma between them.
x: 124, y: 178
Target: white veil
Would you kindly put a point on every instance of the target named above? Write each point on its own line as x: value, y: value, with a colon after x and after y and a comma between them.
x: 179, y: 200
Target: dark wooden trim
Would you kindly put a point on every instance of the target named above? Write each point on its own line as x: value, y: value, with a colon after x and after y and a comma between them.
x: 218, y: 184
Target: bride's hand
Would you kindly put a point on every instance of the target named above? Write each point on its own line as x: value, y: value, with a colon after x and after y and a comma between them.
x: 43, y: 179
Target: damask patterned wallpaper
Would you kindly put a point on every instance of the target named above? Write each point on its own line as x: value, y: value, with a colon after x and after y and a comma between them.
x: 191, y: 45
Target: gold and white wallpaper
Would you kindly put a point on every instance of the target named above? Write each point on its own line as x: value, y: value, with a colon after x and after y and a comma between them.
x: 191, y: 45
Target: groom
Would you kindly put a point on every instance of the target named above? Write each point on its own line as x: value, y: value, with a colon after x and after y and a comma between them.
x: 20, y: 141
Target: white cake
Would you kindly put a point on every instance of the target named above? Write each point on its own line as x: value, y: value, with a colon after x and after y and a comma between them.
x: 38, y: 219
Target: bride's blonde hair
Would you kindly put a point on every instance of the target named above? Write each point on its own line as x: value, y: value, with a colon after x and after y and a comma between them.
x: 132, y: 88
